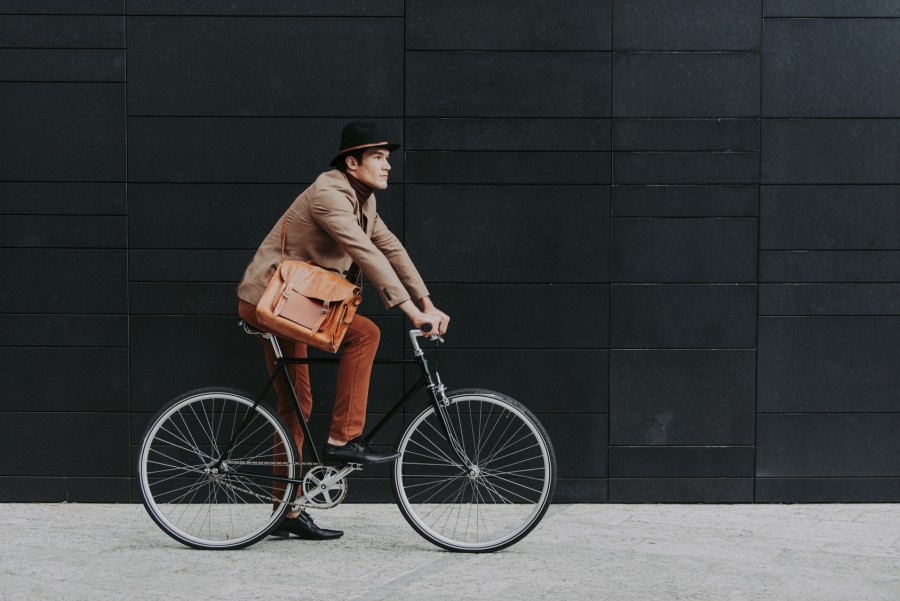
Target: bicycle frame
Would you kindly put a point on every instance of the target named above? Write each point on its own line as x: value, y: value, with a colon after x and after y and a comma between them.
x: 436, y: 389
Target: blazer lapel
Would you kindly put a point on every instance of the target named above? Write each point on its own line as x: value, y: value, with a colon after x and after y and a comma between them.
x: 369, y: 214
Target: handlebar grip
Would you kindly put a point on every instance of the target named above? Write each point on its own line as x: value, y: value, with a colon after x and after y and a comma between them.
x: 426, y: 327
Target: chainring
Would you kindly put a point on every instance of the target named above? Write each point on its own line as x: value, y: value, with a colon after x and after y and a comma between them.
x: 318, y: 495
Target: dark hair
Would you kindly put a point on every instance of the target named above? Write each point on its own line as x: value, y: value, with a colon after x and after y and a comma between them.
x: 356, y: 154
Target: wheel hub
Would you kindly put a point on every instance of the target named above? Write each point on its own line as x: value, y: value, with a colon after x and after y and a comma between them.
x: 216, y: 471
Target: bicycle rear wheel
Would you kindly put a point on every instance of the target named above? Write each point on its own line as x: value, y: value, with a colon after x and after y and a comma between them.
x: 200, y: 495
x: 497, y: 501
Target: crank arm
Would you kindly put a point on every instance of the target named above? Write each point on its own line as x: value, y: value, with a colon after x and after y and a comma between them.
x: 325, y: 485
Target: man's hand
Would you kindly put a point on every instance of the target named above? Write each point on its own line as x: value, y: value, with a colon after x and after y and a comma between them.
x: 439, y: 320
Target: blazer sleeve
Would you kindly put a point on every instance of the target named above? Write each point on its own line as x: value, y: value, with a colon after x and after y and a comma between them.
x: 333, y: 212
x: 397, y: 256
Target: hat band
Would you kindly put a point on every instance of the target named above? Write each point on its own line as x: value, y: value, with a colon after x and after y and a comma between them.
x: 385, y: 143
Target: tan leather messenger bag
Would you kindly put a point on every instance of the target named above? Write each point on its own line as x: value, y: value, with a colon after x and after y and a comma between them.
x: 307, y: 303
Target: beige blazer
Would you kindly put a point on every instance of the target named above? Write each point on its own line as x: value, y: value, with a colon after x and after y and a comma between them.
x: 325, y: 225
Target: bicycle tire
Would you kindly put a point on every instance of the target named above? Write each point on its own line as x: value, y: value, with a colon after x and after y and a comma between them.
x: 207, y: 504
x: 509, y: 490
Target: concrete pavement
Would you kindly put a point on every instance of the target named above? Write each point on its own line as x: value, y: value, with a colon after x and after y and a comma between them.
x: 619, y: 552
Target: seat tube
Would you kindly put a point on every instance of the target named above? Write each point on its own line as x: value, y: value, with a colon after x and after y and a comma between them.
x: 282, y: 367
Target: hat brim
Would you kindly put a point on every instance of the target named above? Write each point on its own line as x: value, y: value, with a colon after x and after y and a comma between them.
x: 339, y: 159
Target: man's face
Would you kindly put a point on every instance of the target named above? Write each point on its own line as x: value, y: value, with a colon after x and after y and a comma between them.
x: 374, y: 169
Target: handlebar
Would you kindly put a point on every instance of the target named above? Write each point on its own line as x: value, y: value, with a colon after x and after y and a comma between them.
x: 424, y: 332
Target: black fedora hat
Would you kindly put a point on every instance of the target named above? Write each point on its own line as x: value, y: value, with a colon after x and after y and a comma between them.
x: 361, y: 135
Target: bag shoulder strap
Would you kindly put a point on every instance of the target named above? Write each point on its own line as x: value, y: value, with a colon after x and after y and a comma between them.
x: 353, y: 272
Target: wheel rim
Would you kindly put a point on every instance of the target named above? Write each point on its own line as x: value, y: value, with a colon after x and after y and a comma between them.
x: 487, y: 504
x: 209, y: 503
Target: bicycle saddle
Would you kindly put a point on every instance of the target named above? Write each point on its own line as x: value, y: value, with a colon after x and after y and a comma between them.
x: 250, y: 329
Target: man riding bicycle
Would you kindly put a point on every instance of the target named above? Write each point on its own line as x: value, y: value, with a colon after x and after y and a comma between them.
x: 334, y: 223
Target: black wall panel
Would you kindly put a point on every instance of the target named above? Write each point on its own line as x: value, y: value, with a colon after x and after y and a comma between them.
x: 685, y: 201
x: 829, y: 364
x: 62, y: 65
x: 682, y: 397
x: 829, y: 299
x: 181, y: 265
x: 827, y: 490
x: 683, y: 316
x: 681, y: 490
x: 686, y: 167
x: 683, y: 250
x: 236, y: 66
x: 62, y: 131
x: 287, y: 8
x: 681, y: 462
x: 507, y: 84
x: 106, y: 368
x: 533, y: 167
x: 55, y: 489
x: 44, y: 330
x: 829, y: 217
x: 669, y: 228
x: 70, y: 280
x: 686, y: 134
x: 831, y: 8
x: 60, y: 31
x: 828, y: 445
x: 812, y: 71
x: 829, y: 266
x: 686, y: 84
x: 538, y: 25
x: 545, y: 233
x: 507, y: 134
x: 69, y: 198
x: 831, y: 151
x: 72, y: 444
x: 62, y: 7
x: 687, y: 25
x: 62, y: 231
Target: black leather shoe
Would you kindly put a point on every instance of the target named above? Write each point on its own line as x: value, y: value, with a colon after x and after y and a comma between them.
x: 303, y: 526
x: 355, y: 451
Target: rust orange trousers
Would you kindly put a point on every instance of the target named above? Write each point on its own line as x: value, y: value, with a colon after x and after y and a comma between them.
x: 354, y: 372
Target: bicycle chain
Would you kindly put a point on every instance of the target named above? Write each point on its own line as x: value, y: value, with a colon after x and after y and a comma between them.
x: 296, y: 502
x: 270, y: 463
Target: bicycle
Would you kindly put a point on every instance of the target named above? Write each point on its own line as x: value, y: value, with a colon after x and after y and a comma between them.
x: 219, y: 470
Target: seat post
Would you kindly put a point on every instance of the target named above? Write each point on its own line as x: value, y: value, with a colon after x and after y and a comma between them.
x: 275, y: 346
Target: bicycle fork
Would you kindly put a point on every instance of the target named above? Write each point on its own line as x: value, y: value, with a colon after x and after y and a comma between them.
x: 438, y: 392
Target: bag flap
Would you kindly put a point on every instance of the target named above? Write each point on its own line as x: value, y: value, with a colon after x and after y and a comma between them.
x: 315, y: 282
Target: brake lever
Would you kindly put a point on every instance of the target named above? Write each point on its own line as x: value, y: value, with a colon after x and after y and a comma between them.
x: 435, y: 337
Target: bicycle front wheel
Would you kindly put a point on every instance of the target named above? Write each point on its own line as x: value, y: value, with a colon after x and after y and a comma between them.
x: 206, y: 468
x: 491, y: 503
